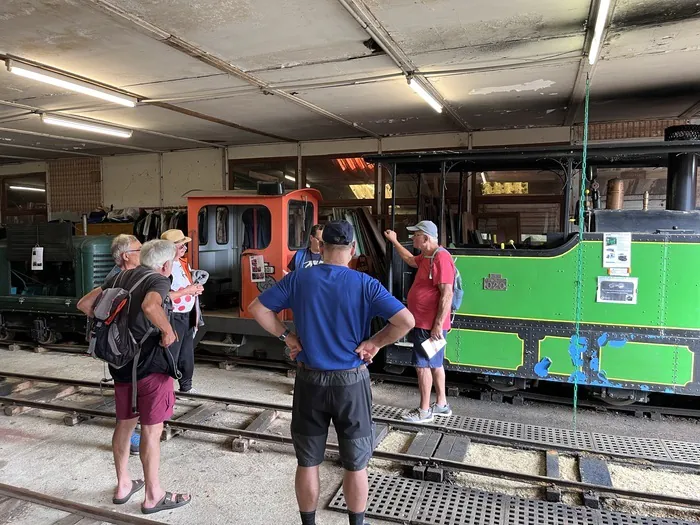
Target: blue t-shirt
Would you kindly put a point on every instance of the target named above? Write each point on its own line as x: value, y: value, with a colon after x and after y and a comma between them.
x: 304, y: 259
x: 333, y: 308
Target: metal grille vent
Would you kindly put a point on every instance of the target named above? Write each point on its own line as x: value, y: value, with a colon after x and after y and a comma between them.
x: 102, y: 265
x: 426, y: 503
x: 643, y: 448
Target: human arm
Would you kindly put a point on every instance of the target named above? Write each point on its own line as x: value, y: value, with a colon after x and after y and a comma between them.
x: 271, y: 323
x: 444, y: 307
x: 407, y: 256
x: 152, y: 307
x: 193, y: 289
x: 87, y: 302
x: 397, y: 327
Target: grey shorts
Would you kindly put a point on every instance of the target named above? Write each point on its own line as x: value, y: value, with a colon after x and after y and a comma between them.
x: 341, y: 396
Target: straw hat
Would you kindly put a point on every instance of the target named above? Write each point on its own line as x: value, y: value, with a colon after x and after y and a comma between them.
x: 175, y: 236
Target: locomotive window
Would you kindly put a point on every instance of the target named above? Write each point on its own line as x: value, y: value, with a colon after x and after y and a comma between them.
x: 301, y: 219
x: 221, y: 225
x: 203, y: 226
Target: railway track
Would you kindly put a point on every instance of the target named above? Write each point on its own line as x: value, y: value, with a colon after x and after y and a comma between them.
x: 18, y: 501
x: 475, y: 391
x: 56, y: 399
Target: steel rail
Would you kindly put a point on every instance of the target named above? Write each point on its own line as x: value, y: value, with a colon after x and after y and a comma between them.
x: 73, y: 507
x: 577, y: 486
x: 403, y: 425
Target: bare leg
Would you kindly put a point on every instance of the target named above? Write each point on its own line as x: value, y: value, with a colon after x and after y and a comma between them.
x: 425, y: 385
x: 121, y: 441
x: 356, y: 488
x: 307, y: 485
x: 439, y: 382
x: 150, y: 458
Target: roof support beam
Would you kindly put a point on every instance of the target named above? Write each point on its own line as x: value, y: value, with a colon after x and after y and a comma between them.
x: 374, y: 28
x: 691, y: 111
x: 15, y: 157
x: 585, y: 70
x: 193, y: 51
x: 50, y: 150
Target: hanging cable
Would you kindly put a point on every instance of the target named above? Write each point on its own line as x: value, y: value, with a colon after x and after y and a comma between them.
x: 578, y: 360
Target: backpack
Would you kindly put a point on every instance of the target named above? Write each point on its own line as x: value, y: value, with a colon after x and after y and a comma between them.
x: 457, y: 290
x: 110, y: 338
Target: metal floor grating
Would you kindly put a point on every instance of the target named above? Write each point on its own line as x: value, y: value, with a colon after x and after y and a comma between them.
x: 635, y: 447
x: 427, y: 503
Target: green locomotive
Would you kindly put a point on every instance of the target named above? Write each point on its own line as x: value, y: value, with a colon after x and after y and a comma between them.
x: 638, y: 322
x: 42, y: 304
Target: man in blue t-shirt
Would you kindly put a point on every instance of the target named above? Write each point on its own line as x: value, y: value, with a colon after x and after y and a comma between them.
x: 333, y: 308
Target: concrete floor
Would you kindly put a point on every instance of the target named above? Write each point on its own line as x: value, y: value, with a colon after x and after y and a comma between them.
x: 40, y: 453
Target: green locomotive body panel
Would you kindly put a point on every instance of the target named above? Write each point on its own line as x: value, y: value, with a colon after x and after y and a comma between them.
x: 518, y: 316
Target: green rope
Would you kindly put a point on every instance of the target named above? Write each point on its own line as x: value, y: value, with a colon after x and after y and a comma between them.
x: 579, y: 270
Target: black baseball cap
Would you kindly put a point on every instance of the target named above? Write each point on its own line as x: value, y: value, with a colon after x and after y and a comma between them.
x: 338, y: 232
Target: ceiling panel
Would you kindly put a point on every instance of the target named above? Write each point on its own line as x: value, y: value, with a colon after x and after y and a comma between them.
x: 658, y: 40
x: 255, y: 34
x: 74, y: 37
x: 515, y: 52
x: 427, y: 25
x: 636, y: 13
x: 387, y: 108
x: 639, y: 108
x: 655, y: 75
x: 274, y: 115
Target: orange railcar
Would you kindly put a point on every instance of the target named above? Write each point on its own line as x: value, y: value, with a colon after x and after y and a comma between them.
x: 245, y: 241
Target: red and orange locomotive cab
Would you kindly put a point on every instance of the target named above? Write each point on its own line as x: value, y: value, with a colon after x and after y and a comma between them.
x: 245, y: 241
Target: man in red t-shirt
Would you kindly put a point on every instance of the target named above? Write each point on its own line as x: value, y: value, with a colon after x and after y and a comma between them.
x: 429, y: 301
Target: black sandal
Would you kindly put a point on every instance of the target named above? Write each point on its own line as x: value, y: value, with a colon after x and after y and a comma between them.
x: 135, y: 487
x: 170, y: 501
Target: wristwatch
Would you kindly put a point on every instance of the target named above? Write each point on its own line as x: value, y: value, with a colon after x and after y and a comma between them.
x: 283, y: 337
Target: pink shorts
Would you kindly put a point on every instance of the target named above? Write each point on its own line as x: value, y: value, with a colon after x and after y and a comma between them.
x: 155, y: 399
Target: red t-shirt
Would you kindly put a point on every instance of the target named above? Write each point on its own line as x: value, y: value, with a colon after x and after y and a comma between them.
x: 424, y: 295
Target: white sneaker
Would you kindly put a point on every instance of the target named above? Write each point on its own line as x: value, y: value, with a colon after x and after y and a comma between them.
x: 441, y: 410
x: 418, y: 416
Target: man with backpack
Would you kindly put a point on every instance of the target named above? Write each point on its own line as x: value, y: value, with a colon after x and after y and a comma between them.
x: 430, y: 302
x: 132, y: 332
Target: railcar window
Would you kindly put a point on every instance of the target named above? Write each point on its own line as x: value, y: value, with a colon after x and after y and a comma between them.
x: 203, y: 226
x: 301, y: 219
x: 221, y: 225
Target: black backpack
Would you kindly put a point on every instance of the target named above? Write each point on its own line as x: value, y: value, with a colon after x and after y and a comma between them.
x: 110, y: 338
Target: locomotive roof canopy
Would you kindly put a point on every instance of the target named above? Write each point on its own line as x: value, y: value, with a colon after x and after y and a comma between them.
x: 624, y: 154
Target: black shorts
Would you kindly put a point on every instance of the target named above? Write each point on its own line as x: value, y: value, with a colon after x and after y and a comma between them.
x: 341, y: 396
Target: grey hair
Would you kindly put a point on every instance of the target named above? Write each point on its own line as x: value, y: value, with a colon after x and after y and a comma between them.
x: 120, y: 245
x: 155, y: 253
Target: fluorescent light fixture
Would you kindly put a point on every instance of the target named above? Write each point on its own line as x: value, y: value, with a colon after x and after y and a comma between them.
x: 27, y: 188
x: 56, y: 79
x: 289, y: 177
x: 86, y: 126
x: 415, y: 86
x: 603, y: 8
x: 483, y: 177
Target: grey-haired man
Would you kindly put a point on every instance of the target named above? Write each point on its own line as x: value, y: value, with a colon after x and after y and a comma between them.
x: 429, y: 300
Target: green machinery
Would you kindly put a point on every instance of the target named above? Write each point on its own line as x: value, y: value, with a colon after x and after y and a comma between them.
x: 42, y: 304
x: 638, y: 323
